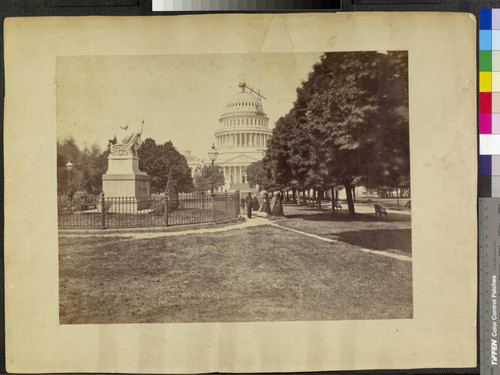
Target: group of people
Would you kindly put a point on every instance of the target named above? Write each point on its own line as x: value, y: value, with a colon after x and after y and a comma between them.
x: 271, y: 206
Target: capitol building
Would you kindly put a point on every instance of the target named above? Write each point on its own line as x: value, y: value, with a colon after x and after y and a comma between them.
x: 241, y: 137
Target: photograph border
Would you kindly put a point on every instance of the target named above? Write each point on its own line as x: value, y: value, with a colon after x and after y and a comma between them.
x: 442, y: 104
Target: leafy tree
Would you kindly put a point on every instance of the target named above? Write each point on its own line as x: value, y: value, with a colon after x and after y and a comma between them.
x: 204, y: 177
x: 259, y: 173
x: 348, y: 126
x: 85, y: 184
x: 172, y: 192
x: 278, y: 163
x: 355, y: 117
x: 88, y: 167
x: 67, y: 181
x: 159, y: 161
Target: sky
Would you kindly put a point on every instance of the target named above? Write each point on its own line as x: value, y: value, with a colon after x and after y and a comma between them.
x: 179, y: 97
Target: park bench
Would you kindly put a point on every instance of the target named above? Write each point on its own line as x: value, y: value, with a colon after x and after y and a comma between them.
x: 379, y: 210
x: 337, y: 206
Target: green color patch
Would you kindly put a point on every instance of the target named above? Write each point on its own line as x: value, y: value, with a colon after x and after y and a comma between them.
x: 485, y: 61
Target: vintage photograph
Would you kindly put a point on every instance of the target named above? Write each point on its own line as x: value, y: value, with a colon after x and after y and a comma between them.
x: 234, y: 187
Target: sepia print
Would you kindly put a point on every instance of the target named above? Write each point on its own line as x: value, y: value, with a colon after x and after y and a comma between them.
x: 181, y: 280
x: 234, y: 187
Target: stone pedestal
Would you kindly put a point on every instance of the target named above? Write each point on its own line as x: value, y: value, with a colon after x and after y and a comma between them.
x: 123, y: 178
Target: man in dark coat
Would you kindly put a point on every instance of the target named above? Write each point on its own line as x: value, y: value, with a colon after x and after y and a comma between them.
x: 249, y: 203
x: 256, y: 204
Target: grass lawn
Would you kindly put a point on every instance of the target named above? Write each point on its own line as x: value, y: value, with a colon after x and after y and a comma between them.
x: 367, y: 231
x: 254, y: 274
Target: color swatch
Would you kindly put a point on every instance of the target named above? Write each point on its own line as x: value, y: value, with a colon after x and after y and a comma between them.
x: 243, y: 5
x: 489, y: 103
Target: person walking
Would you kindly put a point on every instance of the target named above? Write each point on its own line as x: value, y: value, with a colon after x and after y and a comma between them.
x: 273, y: 202
x: 277, y: 208
x: 256, y: 204
x: 266, y: 207
x: 249, y: 204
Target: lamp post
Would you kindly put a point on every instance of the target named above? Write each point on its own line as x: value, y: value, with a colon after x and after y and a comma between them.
x: 212, y: 154
x: 69, y: 167
x: 202, y: 167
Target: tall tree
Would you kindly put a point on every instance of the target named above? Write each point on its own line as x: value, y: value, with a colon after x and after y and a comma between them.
x: 259, y: 173
x: 349, y: 124
x: 172, y: 192
x: 158, y: 161
x: 205, y: 176
x: 68, y: 181
x: 352, y: 116
x: 85, y: 184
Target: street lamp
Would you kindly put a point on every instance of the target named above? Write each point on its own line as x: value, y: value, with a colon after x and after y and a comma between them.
x: 201, y: 168
x: 212, y: 154
x: 69, y: 167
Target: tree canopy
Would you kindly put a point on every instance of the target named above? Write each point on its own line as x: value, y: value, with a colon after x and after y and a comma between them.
x: 160, y: 161
x: 90, y: 164
x: 348, y: 125
x: 259, y: 174
x: 205, y: 176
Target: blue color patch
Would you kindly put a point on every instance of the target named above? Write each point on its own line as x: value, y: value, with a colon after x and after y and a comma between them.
x: 485, y: 19
x: 485, y: 40
x: 485, y: 165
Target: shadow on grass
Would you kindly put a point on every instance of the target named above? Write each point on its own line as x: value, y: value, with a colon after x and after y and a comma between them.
x: 380, y: 239
x: 344, y: 216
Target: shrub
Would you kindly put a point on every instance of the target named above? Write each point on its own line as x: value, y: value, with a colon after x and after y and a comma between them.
x: 83, y: 201
x: 64, y: 204
x: 107, y: 205
x: 172, y: 193
x: 158, y: 206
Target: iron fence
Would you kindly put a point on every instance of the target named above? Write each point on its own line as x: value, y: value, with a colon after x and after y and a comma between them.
x: 155, y: 211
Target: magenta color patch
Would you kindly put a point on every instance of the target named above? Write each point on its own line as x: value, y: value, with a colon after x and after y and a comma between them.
x: 485, y: 123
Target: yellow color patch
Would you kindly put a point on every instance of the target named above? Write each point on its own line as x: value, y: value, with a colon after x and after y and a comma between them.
x: 485, y: 81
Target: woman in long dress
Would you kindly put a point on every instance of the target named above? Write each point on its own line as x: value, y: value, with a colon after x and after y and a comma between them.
x: 273, y: 203
x: 266, y: 207
x: 277, y: 208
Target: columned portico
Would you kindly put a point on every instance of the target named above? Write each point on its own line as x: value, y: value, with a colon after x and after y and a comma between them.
x: 241, y: 137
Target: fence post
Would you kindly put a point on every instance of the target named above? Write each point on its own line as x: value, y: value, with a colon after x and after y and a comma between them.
x: 225, y: 196
x: 103, y: 210
x: 166, y: 209
x: 213, y: 207
x: 237, y: 203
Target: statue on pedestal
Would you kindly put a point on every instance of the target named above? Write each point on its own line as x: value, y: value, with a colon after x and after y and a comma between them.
x: 123, y: 177
x: 130, y: 141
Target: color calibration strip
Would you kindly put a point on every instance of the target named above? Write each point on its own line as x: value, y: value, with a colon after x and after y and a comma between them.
x: 489, y: 103
x: 243, y: 5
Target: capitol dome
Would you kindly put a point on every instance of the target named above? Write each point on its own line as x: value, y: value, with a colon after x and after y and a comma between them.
x: 244, y: 102
x: 242, y: 136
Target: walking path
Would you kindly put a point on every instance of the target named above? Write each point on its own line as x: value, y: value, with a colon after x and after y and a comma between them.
x: 248, y: 223
x: 330, y: 240
x: 143, y: 235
